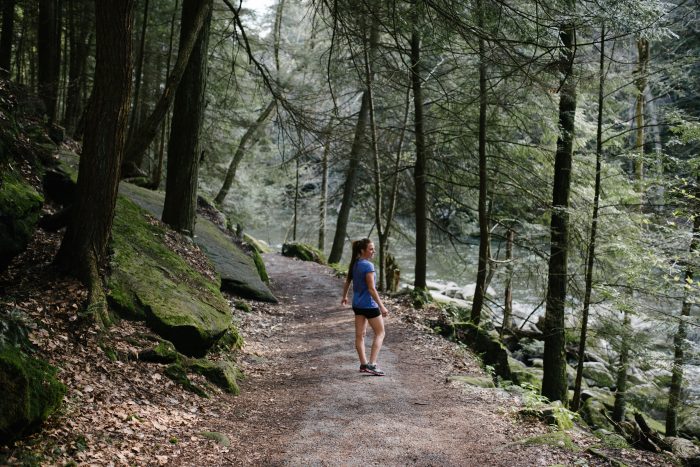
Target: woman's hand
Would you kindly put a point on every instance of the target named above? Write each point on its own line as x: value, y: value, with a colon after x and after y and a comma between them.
x: 344, y: 301
x: 383, y: 309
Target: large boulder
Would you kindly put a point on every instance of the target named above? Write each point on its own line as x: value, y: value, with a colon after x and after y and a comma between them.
x: 303, y: 252
x: 689, y: 422
x: 598, y: 375
x: 487, y: 344
x: 30, y: 392
x: 151, y: 282
x: 238, y: 271
x: 20, y: 208
x: 649, y: 398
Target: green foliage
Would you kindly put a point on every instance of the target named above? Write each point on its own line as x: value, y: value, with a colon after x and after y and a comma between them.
x: 558, y: 439
x: 420, y: 298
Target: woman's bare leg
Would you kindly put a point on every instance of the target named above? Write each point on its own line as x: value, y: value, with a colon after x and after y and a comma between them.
x: 377, y: 325
x: 360, y: 330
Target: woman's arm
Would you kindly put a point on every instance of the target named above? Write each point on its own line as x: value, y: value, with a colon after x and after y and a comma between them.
x: 369, y: 279
x: 346, y: 287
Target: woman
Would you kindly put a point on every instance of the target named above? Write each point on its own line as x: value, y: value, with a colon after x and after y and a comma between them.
x: 366, y: 304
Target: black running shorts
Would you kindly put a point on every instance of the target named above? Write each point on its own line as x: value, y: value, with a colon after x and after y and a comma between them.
x: 368, y: 313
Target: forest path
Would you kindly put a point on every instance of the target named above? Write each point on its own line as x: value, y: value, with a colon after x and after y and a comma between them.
x: 304, y: 402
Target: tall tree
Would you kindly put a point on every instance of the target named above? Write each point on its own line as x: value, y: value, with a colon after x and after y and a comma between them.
x: 484, y: 234
x: 84, y: 244
x: 6, y: 36
x: 420, y: 168
x: 554, y: 383
x: 590, y: 257
x: 49, y: 51
x: 180, y: 206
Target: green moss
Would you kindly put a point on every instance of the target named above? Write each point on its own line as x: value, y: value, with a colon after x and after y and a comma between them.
x: 479, y: 381
x: 556, y: 439
x: 260, y: 266
x: 218, y: 438
x: 177, y: 373
x: 303, y: 252
x: 149, y: 281
x: 553, y: 414
x: 420, y: 297
x: 222, y: 373
x: 30, y: 390
x: 610, y: 439
x: 231, y: 340
x: 242, y: 305
x: 164, y: 352
x: 489, y: 347
x: 20, y: 205
x: 257, y: 245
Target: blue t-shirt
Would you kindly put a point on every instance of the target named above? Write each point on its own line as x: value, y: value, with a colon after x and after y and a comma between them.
x: 360, y: 293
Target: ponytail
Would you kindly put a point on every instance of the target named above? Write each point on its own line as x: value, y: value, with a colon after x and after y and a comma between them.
x: 357, y: 247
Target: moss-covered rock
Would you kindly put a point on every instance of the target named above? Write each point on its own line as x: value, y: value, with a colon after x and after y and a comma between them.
x: 231, y: 340
x: 150, y: 281
x: 610, y: 439
x: 258, y: 245
x: 521, y: 374
x: 649, y: 398
x: 597, y: 374
x: 556, y: 439
x: 488, y: 346
x: 30, y: 392
x: 177, y: 373
x: 236, y: 269
x: 592, y: 412
x: 222, y: 373
x: 689, y: 422
x: 552, y: 414
x: 20, y: 208
x: 260, y: 266
x: 479, y: 381
x: 218, y: 438
x: 303, y: 252
x: 164, y: 352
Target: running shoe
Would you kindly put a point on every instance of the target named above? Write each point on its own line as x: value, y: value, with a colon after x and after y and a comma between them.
x: 363, y: 367
x: 374, y: 370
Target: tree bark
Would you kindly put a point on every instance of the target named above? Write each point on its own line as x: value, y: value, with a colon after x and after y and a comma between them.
x: 341, y: 225
x: 180, y: 206
x: 590, y: 260
x: 247, y: 141
x: 420, y: 170
x: 674, y: 393
x: 49, y: 51
x: 323, y: 195
x: 144, y: 135
x: 84, y: 244
x: 554, y: 384
x: 484, y: 234
x: 8, y: 27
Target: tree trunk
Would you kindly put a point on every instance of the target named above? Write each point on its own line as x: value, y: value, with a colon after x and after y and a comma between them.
x: 8, y: 26
x: 641, y: 83
x: 674, y: 393
x: 419, y: 171
x: 554, y: 384
x: 484, y: 234
x: 134, y: 161
x: 251, y: 135
x: 323, y: 195
x: 621, y: 393
x: 180, y: 206
x: 576, y: 401
x: 84, y: 244
x: 49, y: 50
x: 341, y: 225
x: 143, y: 136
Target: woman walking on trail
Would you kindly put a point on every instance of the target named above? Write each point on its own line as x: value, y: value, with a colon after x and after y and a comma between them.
x: 366, y: 304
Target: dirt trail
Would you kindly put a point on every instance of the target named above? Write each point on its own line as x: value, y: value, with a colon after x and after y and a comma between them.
x: 306, y: 403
